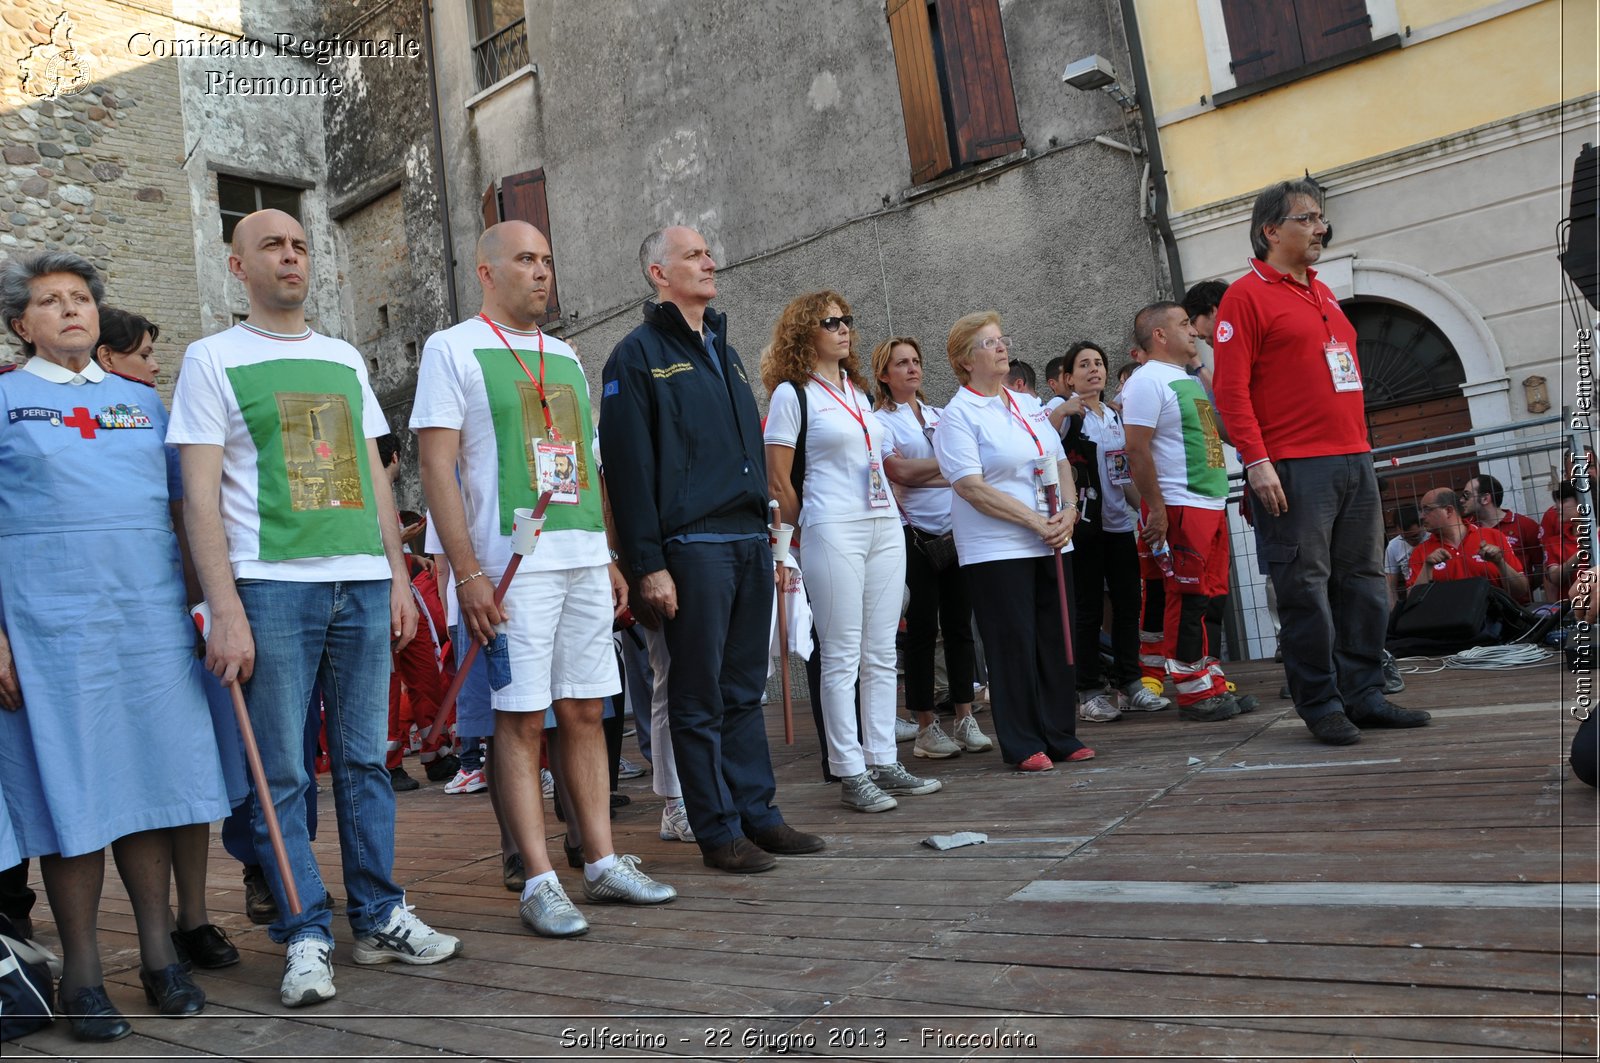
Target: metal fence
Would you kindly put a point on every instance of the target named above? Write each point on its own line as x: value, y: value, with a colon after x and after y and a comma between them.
x: 1529, y: 458
x: 501, y: 54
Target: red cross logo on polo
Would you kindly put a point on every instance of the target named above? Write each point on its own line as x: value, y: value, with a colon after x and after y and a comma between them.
x: 1224, y: 331
x: 83, y: 421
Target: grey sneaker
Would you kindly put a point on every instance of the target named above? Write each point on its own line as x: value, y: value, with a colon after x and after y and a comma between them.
x: 549, y: 913
x: 407, y: 939
x: 1142, y: 699
x: 307, y: 972
x: 933, y: 743
x: 1211, y: 710
x: 859, y: 793
x: 1099, y: 709
x: 894, y: 779
x: 675, y: 822
x: 624, y: 883
x: 971, y: 736
x: 547, y: 782
x: 904, y: 730
x: 1393, y: 681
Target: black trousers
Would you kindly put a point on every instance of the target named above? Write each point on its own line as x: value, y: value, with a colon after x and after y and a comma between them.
x: 1031, y: 685
x: 719, y: 642
x: 1105, y: 562
x: 939, y: 602
x: 16, y: 899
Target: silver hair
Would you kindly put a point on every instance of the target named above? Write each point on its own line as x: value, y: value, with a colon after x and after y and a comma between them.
x: 18, y: 275
x: 653, y: 252
x: 1272, y: 207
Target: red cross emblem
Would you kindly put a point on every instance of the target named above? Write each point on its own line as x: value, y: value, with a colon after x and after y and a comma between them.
x: 324, y: 451
x: 82, y: 421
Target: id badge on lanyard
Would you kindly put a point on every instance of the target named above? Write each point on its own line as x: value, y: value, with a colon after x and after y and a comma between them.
x: 877, y: 489
x: 557, y: 465
x: 1342, y: 366
x: 1118, y: 471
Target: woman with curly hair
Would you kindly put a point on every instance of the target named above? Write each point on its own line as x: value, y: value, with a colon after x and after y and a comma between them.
x: 854, y: 556
x: 939, y: 597
x: 995, y: 446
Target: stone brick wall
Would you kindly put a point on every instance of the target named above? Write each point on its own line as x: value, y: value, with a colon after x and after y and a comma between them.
x: 99, y: 171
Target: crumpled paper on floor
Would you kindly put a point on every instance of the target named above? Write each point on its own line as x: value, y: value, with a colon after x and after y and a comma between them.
x: 954, y: 841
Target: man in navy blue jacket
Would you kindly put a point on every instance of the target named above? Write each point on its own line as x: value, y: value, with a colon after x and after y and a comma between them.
x: 684, y: 461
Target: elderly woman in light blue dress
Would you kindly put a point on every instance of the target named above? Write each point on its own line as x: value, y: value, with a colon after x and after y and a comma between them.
x: 105, y: 737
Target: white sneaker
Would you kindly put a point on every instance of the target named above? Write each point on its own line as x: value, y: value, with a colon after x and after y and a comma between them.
x: 971, y: 736
x: 627, y: 769
x: 467, y: 782
x: 675, y: 822
x: 407, y: 939
x: 1098, y: 709
x: 904, y: 730
x: 547, y: 782
x: 307, y: 972
x: 1142, y: 699
x: 932, y: 742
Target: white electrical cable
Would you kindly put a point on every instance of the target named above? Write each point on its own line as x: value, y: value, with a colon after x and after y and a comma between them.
x: 1499, y: 657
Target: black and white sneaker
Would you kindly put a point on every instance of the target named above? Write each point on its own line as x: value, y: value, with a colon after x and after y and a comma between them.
x: 406, y: 939
x: 307, y: 972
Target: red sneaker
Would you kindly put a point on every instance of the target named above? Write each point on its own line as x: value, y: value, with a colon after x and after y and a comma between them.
x: 1037, y: 762
x: 1081, y: 754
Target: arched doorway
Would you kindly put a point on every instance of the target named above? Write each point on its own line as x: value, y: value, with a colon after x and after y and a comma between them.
x: 1412, y: 380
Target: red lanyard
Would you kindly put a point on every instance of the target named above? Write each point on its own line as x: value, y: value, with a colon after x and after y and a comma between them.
x: 538, y: 383
x: 1012, y: 407
x: 853, y: 408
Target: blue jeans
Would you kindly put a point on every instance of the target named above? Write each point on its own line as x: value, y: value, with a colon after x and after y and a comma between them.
x: 1325, y: 556
x: 336, y: 634
x: 238, y: 830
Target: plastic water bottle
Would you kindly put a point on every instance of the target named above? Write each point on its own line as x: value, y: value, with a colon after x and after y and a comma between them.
x: 1163, y: 556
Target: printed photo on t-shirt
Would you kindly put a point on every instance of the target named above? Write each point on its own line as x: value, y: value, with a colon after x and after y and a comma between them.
x: 319, y: 451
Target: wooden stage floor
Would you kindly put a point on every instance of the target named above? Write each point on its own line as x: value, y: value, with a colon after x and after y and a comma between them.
x: 1197, y: 891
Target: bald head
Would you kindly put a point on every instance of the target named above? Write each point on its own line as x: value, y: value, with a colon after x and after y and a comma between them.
x: 252, y: 228
x: 515, y: 268
x: 497, y: 241
x: 271, y: 259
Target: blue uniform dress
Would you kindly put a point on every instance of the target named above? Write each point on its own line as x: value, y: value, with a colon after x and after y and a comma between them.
x: 114, y: 736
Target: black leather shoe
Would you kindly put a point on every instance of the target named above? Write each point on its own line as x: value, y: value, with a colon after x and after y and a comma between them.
x: 400, y: 782
x: 1335, y: 729
x: 784, y: 840
x: 92, y: 1016
x: 1385, y: 713
x: 205, y: 946
x: 574, y: 853
x: 260, y: 907
x: 512, y: 872
x: 442, y: 769
x: 738, y: 857
x: 172, y: 991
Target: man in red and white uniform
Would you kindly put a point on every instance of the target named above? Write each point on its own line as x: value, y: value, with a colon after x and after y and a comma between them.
x: 1481, y: 500
x: 1288, y: 386
x: 1455, y: 549
x: 1558, y: 535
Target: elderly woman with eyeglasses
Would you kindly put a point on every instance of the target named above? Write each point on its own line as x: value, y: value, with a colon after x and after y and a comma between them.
x: 103, y: 741
x: 853, y: 554
x: 939, y: 599
x: 995, y: 446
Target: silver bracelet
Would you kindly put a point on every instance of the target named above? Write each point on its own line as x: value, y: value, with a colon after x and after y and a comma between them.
x: 463, y: 582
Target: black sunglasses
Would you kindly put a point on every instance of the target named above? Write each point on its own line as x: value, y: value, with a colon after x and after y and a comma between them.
x: 832, y: 323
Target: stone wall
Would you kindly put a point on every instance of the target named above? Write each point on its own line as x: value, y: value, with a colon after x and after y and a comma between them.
x: 99, y: 170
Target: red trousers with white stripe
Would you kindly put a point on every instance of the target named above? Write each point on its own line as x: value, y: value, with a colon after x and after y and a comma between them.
x: 1198, y: 539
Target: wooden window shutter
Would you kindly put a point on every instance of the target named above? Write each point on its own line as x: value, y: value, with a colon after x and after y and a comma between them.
x: 522, y: 199
x: 920, y: 102
x: 1263, y: 37
x: 983, y: 106
x: 491, y: 205
x: 1329, y: 27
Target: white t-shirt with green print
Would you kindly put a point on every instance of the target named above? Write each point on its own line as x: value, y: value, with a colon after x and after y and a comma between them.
x: 293, y: 415
x: 470, y: 381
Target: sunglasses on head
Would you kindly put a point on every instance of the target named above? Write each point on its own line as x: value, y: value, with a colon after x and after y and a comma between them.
x: 832, y: 324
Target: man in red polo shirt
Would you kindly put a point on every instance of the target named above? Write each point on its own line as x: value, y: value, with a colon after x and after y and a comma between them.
x: 1288, y: 386
x: 1481, y: 501
x: 1558, y: 536
x: 1455, y: 549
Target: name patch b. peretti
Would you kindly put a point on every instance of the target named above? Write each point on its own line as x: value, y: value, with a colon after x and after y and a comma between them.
x: 33, y: 413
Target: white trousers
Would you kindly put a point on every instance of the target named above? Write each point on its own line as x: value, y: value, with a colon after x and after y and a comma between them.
x: 664, y: 769
x: 855, y: 576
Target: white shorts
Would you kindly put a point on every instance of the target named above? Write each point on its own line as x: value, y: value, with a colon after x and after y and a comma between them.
x: 558, y: 640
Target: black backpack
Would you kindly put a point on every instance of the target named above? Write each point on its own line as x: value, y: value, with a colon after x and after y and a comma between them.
x: 797, y: 471
x: 25, y: 987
